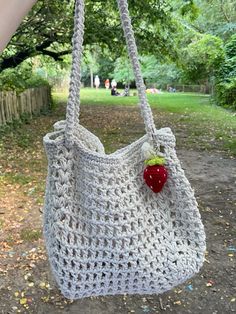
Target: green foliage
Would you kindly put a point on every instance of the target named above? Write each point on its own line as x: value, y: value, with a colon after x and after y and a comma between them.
x: 230, y: 47
x: 97, y: 61
x: 166, y: 32
x: 225, y: 90
x: 226, y: 94
x: 153, y: 71
x: 48, y: 29
x: 48, y: 25
x: 190, y: 9
x: 165, y: 74
x: 123, y: 71
x: 217, y: 17
x: 106, y: 65
x: 50, y: 69
x: 202, y: 58
x: 149, y: 68
x: 228, y: 69
x: 20, y: 78
x: 90, y: 65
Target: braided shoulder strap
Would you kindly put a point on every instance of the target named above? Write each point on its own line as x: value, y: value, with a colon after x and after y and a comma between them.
x: 73, y: 106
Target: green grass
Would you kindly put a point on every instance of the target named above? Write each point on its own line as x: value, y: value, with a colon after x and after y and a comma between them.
x: 168, y: 102
x: 194, y: 111
x: 1, y: 223
x: 30, y: 235
x: 181, y: 103
x: 197, y: 123
x: 16, y: 178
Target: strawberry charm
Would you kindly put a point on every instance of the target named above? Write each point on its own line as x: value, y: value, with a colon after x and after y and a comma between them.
x: 155, y: 174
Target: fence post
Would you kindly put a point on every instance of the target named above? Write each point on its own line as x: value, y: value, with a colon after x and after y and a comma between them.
x: 31, y: 101
x: 2, y: 111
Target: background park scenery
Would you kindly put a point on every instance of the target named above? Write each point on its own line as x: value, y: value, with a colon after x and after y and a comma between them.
x: 188, y: 59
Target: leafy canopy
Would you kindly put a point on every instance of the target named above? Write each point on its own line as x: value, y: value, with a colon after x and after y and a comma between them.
x: 202, y: 57
x: 48, y: 29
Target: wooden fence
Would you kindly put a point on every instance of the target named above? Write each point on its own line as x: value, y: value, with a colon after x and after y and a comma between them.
x: 31, y: 101
x: 204, y: 89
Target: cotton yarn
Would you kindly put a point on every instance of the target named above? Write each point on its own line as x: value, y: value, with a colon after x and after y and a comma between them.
x: 106, y: 232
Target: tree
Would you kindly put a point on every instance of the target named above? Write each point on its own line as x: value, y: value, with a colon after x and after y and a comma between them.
x: 55, y: 72
x: 123, y: 71
x: 202, y: 58
x: 228, y: 69
x: 106, y: 64
x: 216, y: 17
x: 47, y: 30
x: 225, y: 91
x: 19, y: 79
x: 90, y: 65
x: 154, y: 72
x: 149, y: 65
x: 167, y: 74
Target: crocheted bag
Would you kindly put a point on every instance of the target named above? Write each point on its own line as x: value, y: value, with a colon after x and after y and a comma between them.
x: 106, y: 232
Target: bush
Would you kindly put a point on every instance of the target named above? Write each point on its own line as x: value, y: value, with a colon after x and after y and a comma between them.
x: 225, y: 94
x: 20, y: 78
x: 225, y: 89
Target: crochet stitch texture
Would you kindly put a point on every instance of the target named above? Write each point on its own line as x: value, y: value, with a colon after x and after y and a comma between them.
x: 106, y: 232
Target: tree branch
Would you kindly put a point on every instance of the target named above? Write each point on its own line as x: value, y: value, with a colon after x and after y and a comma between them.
x: 19, y: 57
x: 57, y: 56
x: 223, y: 11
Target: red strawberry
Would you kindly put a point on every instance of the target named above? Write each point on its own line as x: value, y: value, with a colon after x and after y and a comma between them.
x: 155, y: 177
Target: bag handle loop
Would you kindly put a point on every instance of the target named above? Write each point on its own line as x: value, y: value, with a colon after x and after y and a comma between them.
x: 73, y: 106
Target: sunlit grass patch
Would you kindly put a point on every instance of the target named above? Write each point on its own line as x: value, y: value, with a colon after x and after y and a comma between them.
x: 30, y: 235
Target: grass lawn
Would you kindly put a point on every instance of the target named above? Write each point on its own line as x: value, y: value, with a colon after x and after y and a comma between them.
x: 172, y: 102
x: 192, y: 110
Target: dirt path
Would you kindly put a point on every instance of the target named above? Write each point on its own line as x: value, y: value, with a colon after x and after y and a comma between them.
x: 26, y: 285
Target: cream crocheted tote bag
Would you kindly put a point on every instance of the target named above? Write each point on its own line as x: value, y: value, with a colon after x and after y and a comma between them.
x: 106, y: 231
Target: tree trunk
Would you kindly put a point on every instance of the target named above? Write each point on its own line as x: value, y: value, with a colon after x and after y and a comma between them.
x: 91, y: 76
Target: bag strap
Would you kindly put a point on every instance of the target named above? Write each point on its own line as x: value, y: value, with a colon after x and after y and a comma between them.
x: 73, y: 106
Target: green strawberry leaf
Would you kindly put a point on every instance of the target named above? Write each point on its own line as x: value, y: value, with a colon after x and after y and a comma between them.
x: 160, y: 161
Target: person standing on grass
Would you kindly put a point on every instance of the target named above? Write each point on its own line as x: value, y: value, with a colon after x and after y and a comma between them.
x: 107, y: 84
x: 97, y: 82
x: 12, y: 13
